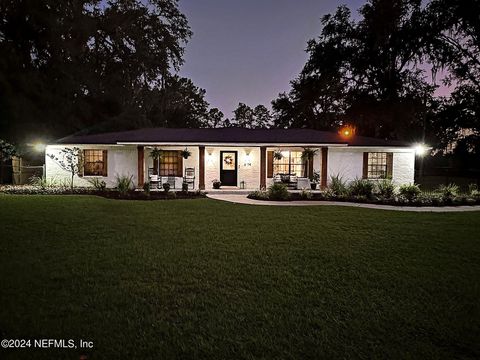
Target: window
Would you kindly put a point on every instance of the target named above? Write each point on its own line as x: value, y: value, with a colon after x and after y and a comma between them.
x: 95, y: 162
x: 290, y: 163
x: 378, y: 165
x: 171, y: 163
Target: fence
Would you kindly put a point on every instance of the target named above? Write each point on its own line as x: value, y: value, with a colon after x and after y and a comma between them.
x: 16, y: 172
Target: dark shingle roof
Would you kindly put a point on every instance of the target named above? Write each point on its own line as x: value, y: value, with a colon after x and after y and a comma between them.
x: 226, y: 135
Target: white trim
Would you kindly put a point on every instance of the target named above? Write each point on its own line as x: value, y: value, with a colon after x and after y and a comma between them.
x: 230, y: 144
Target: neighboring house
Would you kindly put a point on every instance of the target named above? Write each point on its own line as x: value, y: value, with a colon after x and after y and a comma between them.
x: 235, y: 156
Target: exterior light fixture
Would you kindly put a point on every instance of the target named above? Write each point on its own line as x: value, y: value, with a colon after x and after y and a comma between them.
x: 247, y: 160
x: 347, y: 131
x: 421, y: 150
x: 39, y: 147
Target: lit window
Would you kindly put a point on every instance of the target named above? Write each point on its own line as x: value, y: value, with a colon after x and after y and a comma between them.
x: 171, y: 163
x: 290, y: 163
x: 95, y: 163
x: 378, y: 165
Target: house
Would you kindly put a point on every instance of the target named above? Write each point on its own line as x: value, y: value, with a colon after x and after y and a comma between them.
x: 247, y: 158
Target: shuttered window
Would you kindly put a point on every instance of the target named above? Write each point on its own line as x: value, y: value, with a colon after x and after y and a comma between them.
x: 94, y: 162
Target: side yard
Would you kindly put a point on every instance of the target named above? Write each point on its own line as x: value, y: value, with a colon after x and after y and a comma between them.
x: 207, y: 279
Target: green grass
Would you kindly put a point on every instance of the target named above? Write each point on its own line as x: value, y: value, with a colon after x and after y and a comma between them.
x: 213, y: 280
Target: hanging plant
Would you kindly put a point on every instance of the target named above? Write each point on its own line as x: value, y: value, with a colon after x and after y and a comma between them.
x: 156, y: 153
x: 277, y: 155
x: 185, y: 153
x: 308, y: 154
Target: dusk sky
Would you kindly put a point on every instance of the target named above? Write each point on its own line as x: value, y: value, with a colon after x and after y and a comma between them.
x: 248, y: 51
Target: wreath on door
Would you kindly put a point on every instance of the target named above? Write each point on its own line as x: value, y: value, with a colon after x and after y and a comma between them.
x: 228, y: 160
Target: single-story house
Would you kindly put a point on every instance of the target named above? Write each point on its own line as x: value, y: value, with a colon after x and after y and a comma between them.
x: 239, y: 158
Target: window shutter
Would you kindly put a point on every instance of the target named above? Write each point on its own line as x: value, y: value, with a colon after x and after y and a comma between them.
x: 105, y: 163
x: 180, y: 164
x: 270, y: 164
x: 365, y: 165
x: 389, y: 165
x: 81, y: 160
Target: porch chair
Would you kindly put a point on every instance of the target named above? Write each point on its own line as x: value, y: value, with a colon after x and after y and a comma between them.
x: 189, y: 177
x: 171, y: 181
x: 154, y: 181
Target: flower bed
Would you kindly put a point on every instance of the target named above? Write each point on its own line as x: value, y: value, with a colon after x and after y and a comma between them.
x: 107, y: 193
x: 382, y: 193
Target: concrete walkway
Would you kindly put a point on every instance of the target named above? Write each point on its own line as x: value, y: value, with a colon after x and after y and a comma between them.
x: 242, y: 199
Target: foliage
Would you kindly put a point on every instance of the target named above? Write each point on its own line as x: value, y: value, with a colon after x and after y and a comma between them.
x: 409, y: 191
x: 258, y: 195
x: 448, y: 192
x: 96, y: 65
x: 316, y: 177
x: 186, y: 153
x: 216, y: 184
x: 166, y: 187
x: 361, y: 187
x: 124, y: 183
x: 246, y: 117
x: 97, y: 183
x: 156, y: 153
x: 146, y: 188
x: 306, y: 194
x: 337, y: 185
x: 278, y: 192
x: 7, y: 151
x: 70, y: 160
x: 277, y: 155
x: 385, y: 188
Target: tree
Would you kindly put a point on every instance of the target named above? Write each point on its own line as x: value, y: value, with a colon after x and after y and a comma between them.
x: 362, y: 73
x: 70, y: 160
x: 246, y: 117
x: 7, y: 152
x: 88, y: 64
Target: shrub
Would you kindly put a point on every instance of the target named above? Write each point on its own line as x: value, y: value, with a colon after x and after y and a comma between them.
x: 409, y: 191
x: 448, y: 192
x: 166, y: 187
x: 42, y: 182
x: 146, y: 188
x: 278, y: 192
x: 97, y: 184
x: 385, y: 188
x: 337, y: 186
x: 258, y: 195
x: 185, y: 187
x: 473, y: 190
x: 361, y: 187
x: 123, y: 183
x: 306, y: 194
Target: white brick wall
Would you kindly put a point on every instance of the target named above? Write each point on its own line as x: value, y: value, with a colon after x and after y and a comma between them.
x: 121, y: 160
x: 348, y: 163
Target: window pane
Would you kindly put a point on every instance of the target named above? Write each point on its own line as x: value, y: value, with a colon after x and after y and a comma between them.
x: 171, y: 163
x: 377, y: 165
x: 93, y: 163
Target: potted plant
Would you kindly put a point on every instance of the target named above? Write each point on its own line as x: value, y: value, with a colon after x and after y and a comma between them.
x: 315, y: 180
x: 156, y: 155
x: 277, y: 155
x: 186, y: 153
x: 307, y: 155
x: 216, y: 184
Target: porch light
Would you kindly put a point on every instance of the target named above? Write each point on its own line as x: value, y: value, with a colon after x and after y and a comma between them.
x: 247, y: 160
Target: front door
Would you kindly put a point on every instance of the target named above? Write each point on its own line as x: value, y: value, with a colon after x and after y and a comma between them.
x: 228, y: 168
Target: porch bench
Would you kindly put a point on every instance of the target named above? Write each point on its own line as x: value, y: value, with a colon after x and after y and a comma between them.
x: 287, y: 179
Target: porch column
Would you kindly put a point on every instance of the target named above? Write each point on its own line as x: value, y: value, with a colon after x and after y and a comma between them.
x: 323, y: 179
x: 201, y: 170
x: 263, y: 167
x: 141, y: 166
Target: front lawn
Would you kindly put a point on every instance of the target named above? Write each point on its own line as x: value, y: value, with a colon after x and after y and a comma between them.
x: 214, y: 280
